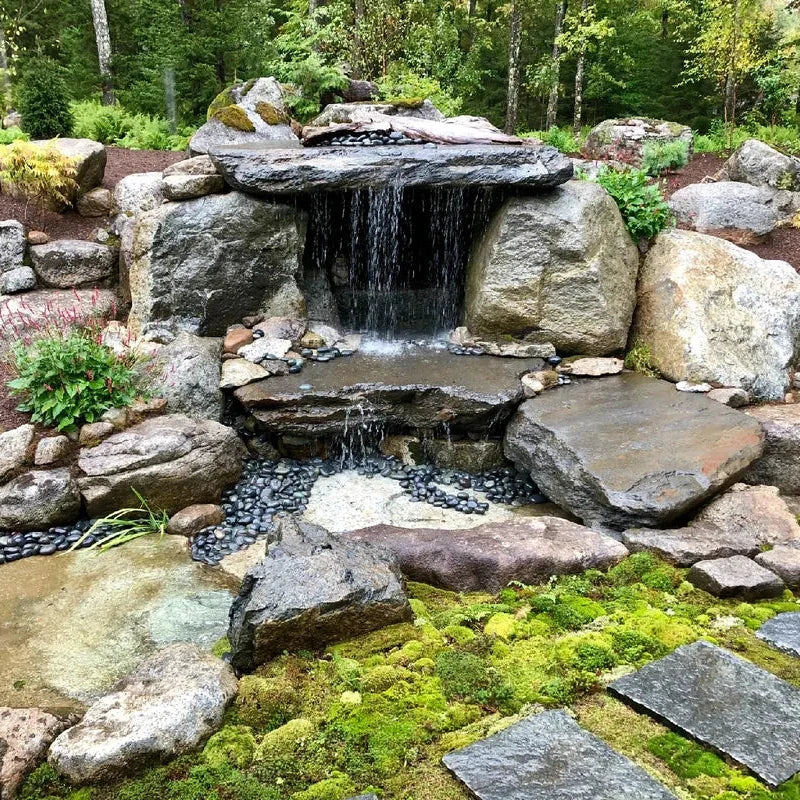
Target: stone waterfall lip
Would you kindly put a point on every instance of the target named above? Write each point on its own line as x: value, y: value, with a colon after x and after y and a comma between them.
x: 269, y: 170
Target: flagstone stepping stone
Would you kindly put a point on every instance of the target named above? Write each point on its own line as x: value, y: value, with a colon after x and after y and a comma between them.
x: 736, y: 576
x: 782, y: 632
x: 725, y: 702
x: 550, y: 757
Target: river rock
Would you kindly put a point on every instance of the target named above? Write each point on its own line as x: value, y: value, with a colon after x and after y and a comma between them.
x: 710, y: 311
x: 741, y: 213
x: 172, y: 461
x: 624, y: 139
x: 735, y: 576
x: 686, y: 546
x: 188, y: 521
x: 12, y: 245
x: 253, y: 112
x: 562, y: 264
x: 310, y: 590
x: 780, y: 464
x: 758, y: 512
x: 630, y: 451
x: 167, y: 706
x: 784, y: 561
x: 39, y: 499
x: 236, y: 339
x: 238, y: 372
x: 591, y: 367
x: 203, y: 264
x: 25, y: 735
x: 486, y: 558
x: 64, y: 263
x: 270, y: 171
x: 757, y: 163
x: 186, y: 373
x: 735, y: 398
x: 14, y: 446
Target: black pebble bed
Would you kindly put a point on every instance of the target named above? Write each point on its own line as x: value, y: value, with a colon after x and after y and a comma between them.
x: 269, y: 489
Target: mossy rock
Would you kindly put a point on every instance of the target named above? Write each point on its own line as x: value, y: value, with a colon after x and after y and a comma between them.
x: 234, y: 745
x: 265, y: 703
x: 235, y: 117
x: 283, y: 742
x: 337, y: 787
x: 224, y: 99
x: 270, y: 114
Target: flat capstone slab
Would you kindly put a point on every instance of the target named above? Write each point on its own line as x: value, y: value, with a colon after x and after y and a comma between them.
x: 723, y: 701
x: 782, y: 632
x: 550, y: 757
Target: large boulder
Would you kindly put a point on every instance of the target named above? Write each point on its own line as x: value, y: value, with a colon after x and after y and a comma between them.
x: 38, y: 499
x: 167, y: 706
x: 741, y: 213
x: 560, y: 263
x: 25, y: 735
x: 64, y: 263
x: 186, y: 372
x: 204, y: 264
x: 628, y: 450
x: 624, y: 139
x: 244, y: 114
x: 712, y: 312
x: 89, y: 158
x: 310, y: 590
x: 172, y: 461
x: 780, y: 464
x: 486, y: 558
x: 759, y: 164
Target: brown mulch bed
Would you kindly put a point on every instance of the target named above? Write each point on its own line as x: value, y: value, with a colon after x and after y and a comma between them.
x: 782, y: 244
x: 70, y: 225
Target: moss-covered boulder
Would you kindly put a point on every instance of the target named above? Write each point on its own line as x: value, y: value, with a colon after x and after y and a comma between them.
x: 624, y: 139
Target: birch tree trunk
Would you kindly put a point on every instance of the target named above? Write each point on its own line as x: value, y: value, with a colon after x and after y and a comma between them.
x: 514, y: 48
x: 552, y: 102
x: 359, y: 13
x: 6, y: 86
x: 580, y: 71
x: 103, y: 38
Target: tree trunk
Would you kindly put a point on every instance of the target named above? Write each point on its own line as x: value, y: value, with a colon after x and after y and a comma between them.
x: 471, y: 8
x: 552, y: 102
x: 4, y: 70
x: 514, y: 48
x: 103, y: 39
x: 580, y: 70
x: 359, y: 12
x: 730, y: 77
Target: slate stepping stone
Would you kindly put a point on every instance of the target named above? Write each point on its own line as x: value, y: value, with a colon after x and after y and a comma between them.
x: 725, y: 702
x: 782, y: 632
x: 736, y: 576
x: 550, y: 757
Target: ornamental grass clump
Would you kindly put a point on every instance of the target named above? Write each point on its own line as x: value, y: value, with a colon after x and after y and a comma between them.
x: 69, y: 377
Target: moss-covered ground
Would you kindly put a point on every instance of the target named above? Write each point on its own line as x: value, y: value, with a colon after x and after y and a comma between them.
x: 377, y: 713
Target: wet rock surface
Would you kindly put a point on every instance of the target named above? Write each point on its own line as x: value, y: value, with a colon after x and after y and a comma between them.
x: 167, y: 706
x: 550, y: 757
x: 780, y: 464
x: 735, y: 576
x: 38, y: 499
x: 424, y: 390
x: 310, y: 590
x: 487, y: 557
x: 272, y: 171
x: 725, y: 702
x: 782, y: 632
x: 628, y: 451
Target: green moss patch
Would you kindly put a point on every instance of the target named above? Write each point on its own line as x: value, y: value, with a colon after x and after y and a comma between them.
x: 270, y: 114
x: 234, y: 117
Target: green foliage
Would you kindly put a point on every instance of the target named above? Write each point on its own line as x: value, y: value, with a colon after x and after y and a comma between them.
x: 8, y: 135
x: 686, y: 759
x: 722, y: 139
x: 640, y: 359
x: 234, y: 745
x: 641, y: 204
x: 39, y: 172
x: 43, y: 100
x: 562, y: 139
x: 67, y: 378
x: 661, y: 157
x: 311, y: 79
x: 403, y: 85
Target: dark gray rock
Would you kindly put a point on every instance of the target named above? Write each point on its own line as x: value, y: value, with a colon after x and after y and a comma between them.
x: 780, y: 464
x: 270, y: 171
x: 488, y: 557
x: 22, y: 279
x: 784, y: 561
x: 417, y: 390
x: 12, y: 245
x: 735, y: 576
x: 628, y: 450
x: 725, y: 702
x: 550, y: 757
x: 782, y: 632
x: 64, y: 263
x: 38, y: 499
x: 685, y: 546
x: 310, y: 590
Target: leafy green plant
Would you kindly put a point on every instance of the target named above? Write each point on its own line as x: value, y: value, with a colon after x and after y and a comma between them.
x: 125, y: 525
x: 8, y: 135
x: 38, y: 172
x: 641, y: 203
x: 640, y: 359
x: 313, y: 79
x: 43, y: 100
x: 660, y: 157
x: 66, y: 378
x: 402, y: 85
x: 562, y: 139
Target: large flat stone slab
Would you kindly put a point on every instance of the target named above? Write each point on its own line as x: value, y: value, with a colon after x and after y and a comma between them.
x: 628, y: 450
x: 782, y: 632
x: 725, y: 702
x: 735, y: 576
x: 686, y: 546
x: 550, y: 757
x: 269, y: 171
x: 419, y: 390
